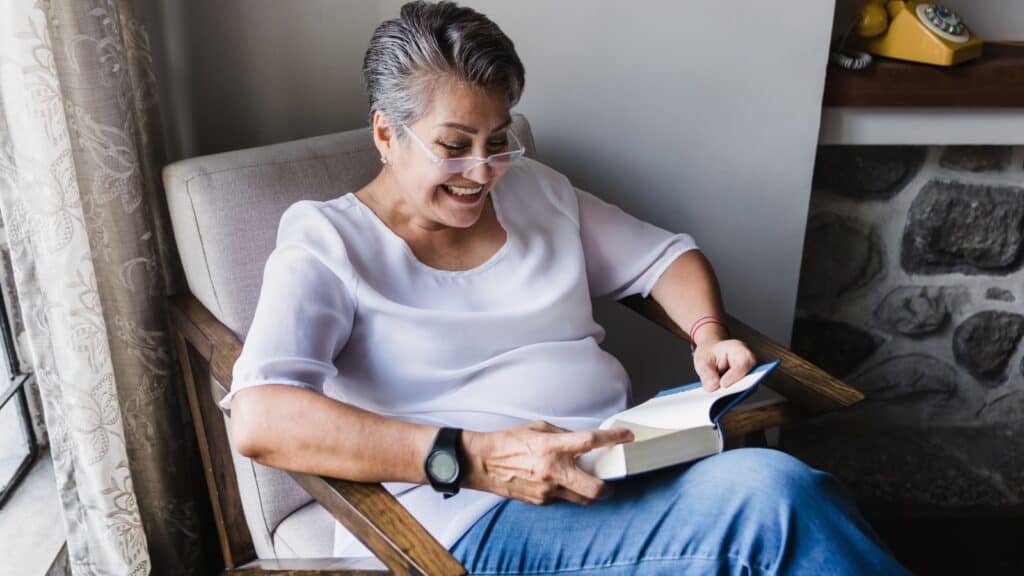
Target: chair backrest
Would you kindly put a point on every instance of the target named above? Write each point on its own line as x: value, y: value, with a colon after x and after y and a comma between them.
x: 225, y: 209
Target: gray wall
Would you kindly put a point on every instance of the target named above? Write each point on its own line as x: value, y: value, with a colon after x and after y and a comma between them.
x: 698, y: 116
x: 241, y: 73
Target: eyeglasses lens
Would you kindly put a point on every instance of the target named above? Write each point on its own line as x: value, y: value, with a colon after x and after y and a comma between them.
x: 497, y: 161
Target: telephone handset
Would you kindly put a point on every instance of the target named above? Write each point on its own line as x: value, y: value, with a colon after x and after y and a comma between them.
x: 909, y: 30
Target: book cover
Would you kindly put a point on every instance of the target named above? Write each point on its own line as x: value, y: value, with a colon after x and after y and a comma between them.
x: 677, y: 425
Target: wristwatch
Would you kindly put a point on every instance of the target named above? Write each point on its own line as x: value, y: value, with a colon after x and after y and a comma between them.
x: 443, y: 464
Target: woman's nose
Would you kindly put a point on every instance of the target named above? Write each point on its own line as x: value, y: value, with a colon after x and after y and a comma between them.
x: 481, y: 173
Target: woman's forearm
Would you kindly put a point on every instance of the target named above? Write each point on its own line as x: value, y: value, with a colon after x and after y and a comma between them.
x: 688, y: 290
x: 303, y: 431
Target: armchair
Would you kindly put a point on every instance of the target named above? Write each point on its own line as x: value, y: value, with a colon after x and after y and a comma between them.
x: 225, y: 209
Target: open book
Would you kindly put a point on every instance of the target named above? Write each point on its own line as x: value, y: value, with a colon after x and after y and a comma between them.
x: 677, y: 425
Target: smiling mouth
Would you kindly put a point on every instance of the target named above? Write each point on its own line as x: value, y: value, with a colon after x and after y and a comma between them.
x: 463, y: 195
x: 461, y: 190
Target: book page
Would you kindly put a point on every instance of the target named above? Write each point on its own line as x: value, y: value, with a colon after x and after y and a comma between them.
x: 641, y: 432
x: 686, y: 409
x: 670, y: 412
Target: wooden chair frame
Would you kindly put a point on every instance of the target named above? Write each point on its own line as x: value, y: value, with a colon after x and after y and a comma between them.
x: 207, y: 350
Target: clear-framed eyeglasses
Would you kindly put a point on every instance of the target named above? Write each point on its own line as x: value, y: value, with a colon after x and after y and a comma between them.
x: 463, y: 164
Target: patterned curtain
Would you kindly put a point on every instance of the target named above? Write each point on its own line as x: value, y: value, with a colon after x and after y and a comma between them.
x: 80, y: 155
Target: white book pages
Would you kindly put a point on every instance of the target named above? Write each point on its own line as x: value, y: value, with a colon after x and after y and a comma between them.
x: 669, y: 429
x: 667, y: 448
x: 682, y: 410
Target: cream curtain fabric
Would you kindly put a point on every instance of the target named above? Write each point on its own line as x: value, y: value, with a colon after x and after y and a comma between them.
x: 83, y: 209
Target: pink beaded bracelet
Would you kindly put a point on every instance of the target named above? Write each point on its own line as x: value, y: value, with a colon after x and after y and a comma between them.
x: 700, y: 323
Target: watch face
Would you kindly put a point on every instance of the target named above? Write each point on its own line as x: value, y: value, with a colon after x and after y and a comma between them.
x: 443, y: 467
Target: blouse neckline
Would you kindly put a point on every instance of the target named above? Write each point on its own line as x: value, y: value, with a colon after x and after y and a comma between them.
x: 483, y: 266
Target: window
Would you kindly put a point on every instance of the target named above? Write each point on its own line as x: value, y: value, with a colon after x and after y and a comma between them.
x: 17, y: 441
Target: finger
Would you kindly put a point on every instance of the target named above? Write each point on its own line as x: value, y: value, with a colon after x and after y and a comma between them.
x: 542, y: 426
x: 567, y: 494
x: 707, y: 372
x: 587, y: 440
x: 733, y: 375
x: 583, y: 484
x: 751, y: 360
x: 741, y: 361
x: 536, y: 493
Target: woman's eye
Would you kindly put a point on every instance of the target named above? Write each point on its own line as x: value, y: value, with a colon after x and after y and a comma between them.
x: 452, y: 146
x: 460, y: 147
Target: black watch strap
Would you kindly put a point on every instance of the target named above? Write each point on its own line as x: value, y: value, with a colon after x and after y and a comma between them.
x: 443, y: 465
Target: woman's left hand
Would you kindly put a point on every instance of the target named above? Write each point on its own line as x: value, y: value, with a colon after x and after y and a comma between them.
x: 722, y: 363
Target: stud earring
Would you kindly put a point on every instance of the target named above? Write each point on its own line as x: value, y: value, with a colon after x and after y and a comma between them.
x: 383, y: 160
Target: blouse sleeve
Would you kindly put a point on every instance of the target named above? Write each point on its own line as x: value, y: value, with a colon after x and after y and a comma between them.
x: 624, y: 255
x: 305, y: 310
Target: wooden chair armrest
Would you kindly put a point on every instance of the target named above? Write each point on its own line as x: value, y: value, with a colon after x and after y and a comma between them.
x: 742, y: 421
x: 372, y: 514
x: 813, y: 390
x: 214, y: 341
x: 382, y: 524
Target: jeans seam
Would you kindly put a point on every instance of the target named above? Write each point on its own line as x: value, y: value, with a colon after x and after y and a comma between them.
x: 742, y: 561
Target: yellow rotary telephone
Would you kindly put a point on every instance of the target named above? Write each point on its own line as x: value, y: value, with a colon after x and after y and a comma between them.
x: 911, y: 30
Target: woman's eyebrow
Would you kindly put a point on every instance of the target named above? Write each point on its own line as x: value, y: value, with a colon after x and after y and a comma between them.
x: 472, y: 130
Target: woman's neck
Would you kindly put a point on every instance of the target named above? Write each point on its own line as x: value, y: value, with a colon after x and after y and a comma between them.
x: 384, y: 197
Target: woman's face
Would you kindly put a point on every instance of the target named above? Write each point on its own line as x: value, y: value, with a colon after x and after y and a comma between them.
x: 463, y: 121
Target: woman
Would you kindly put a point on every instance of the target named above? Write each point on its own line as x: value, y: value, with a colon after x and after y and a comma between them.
x: 433, y: 331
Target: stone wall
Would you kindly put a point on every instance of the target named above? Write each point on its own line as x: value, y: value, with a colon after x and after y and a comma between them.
x: 909, y: 290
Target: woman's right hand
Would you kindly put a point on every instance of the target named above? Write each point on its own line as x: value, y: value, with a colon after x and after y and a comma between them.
x: 536, y: 462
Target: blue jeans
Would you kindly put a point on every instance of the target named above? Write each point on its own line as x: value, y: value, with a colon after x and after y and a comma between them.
x: 745, y: 511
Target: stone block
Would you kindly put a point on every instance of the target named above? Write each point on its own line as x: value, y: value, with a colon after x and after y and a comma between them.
x: 841, y: 255
x: 837, y: 347
x: 959, y: 227
x: 976, y: 158
x: 866, y: 172
x: 1007, y: 406
x: 984, y: 342
x: 1000, y: 294
x: 914, y: 389
x: 913, y: 310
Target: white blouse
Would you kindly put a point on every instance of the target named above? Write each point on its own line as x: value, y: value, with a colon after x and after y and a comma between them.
x: 347, y: 310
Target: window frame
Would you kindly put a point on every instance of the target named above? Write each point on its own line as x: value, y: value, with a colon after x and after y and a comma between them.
x: 15, y: 392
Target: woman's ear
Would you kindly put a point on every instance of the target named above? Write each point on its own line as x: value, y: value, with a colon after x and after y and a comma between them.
x: 383, y: 136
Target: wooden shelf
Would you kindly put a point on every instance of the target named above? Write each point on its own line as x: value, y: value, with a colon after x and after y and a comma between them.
x: 996, y: 80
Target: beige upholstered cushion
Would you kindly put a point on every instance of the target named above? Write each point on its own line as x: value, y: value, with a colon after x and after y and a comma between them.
x: 306, y: 533
x: 269, y: 496
x: 225, y: 209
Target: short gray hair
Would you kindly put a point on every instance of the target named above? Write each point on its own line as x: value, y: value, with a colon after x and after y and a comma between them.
x: 428, y: 42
